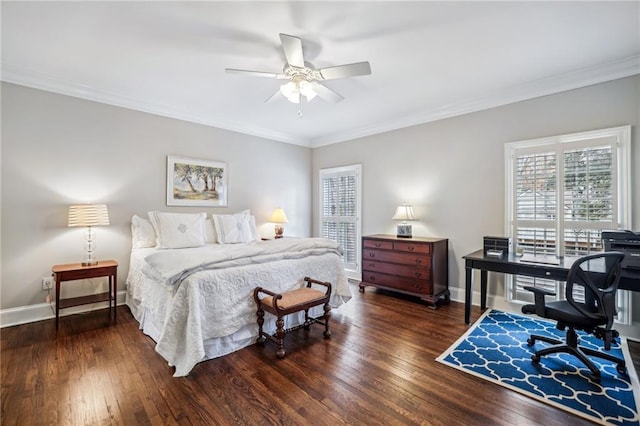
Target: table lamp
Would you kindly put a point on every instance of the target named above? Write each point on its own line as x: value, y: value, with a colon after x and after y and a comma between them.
x: 278, y: 217
x: 89, y: 215
x: 404, y: 213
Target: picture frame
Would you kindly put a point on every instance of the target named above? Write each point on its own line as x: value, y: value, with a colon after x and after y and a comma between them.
x: 195, y: 182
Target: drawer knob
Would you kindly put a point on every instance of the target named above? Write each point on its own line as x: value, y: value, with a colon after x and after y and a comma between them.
x: 372, y: 254
x: 410, y: 248
x: 372, y: 278
x: 377, y: 244
x: 418, y: 261
x: 418, y: 274
x: 372, y: 265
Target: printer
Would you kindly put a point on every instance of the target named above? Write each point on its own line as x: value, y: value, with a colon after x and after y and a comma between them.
x: 627, y: 242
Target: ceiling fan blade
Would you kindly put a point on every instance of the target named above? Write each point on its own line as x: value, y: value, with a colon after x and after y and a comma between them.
x: 343, y: 71
x: 325, y: 93
x: 274, y: 97
x: 292, y: 47
x: 255, y: 73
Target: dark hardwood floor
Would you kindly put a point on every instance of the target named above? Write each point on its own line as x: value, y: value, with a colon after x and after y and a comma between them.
x: 378, y: 368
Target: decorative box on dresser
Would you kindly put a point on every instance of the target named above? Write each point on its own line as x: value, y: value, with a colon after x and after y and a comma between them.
x: 416, y: 266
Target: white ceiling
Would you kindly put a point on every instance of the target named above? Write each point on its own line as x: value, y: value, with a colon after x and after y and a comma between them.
x: 429, y: 60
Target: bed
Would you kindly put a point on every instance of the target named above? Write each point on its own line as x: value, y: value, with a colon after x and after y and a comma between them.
x: 196, y: 303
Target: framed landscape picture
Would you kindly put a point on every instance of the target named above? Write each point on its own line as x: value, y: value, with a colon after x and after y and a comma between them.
x: 192, y: 182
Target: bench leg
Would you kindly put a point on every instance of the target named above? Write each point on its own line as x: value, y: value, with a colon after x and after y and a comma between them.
x: 260, y: 315
x: 307, y: 323
x: 327, y: 315
x: 280, y: 337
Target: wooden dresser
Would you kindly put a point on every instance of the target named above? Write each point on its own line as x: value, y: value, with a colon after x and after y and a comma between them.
x: 417, y: 266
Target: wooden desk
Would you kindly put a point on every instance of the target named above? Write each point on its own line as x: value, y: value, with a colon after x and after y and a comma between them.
x: 515, y: 266
x: 75, y: 271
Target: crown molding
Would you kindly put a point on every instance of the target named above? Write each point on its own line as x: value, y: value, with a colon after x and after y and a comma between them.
x: 588, y: 76
x: 37, y: 80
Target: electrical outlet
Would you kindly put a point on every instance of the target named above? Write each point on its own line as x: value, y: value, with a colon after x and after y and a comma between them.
x: 47, y: 283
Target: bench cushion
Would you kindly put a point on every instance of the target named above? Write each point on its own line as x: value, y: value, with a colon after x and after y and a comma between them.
x: 295, y: 297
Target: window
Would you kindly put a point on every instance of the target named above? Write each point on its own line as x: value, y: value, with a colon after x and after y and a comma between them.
x: 340, y: 212
x: 561, y: 193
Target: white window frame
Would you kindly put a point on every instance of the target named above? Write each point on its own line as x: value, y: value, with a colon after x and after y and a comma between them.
x: 353, y: 271
x: 622, y: 209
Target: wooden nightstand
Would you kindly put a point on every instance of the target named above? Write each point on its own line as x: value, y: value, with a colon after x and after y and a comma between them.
x: 75, y: 271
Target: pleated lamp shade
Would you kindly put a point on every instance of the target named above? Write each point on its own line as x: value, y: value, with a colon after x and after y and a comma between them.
x: 88, y: 215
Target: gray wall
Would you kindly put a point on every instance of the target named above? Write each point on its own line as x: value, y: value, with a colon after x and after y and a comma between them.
x: 59, y: 150
x: 452, y: 170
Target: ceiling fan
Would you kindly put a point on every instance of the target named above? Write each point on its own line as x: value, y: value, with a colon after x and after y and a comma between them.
x: 303, y: 78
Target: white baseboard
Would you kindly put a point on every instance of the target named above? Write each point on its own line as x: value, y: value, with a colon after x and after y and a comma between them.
x: 44, y: 311
x: 497, y: 302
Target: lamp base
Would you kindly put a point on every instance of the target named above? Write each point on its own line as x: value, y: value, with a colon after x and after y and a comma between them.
x: 90, y: 263
x: 404, y: 231
x: 279, y: 230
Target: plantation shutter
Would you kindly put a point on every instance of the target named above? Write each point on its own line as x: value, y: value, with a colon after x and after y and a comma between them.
x: 535, y: 213
x: 563, y: 192
x: 340, y: 211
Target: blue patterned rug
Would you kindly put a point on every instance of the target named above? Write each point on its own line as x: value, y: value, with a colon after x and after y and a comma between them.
x: 495, y: 349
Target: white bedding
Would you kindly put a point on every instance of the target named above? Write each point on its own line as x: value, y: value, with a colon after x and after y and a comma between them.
x: 197, y: 303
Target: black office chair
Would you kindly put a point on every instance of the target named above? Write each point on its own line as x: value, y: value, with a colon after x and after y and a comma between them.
x: 595, y: 315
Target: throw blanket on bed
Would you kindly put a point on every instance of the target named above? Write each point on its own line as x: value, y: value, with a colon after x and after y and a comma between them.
x: 173, y: 266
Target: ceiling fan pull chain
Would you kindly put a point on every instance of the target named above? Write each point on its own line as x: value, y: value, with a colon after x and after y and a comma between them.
x: 300, y: 107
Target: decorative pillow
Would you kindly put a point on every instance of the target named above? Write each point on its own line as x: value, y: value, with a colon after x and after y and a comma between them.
x: 179, y: 230
x: 233, y: 228
x: 142, y: 233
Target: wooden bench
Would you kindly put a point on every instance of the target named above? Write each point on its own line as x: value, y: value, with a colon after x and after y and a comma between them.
x: 290, y: 302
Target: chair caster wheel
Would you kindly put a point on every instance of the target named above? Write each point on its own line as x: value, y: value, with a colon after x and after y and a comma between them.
x: 530, y: 341
x: 535, y: 358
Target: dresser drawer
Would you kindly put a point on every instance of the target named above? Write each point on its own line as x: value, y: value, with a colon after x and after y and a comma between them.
x: 412, y: 247
x: 408, y: 271
x: 376, y: 244
x: 409, y: 285
x: 416, y: 259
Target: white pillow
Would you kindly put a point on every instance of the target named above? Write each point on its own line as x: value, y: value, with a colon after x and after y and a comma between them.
x: 234, y: 228
x: 209, y: 232
x: 179, y: 230
x: 142, y: 233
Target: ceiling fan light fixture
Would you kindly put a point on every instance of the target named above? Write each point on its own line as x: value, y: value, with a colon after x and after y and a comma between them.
x: 306, y: 89
x: 295, y: 98
x: 289, y: 89
x: 293, y: 89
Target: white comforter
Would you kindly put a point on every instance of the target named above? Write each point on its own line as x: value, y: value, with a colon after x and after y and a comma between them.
x: 198, y: 303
